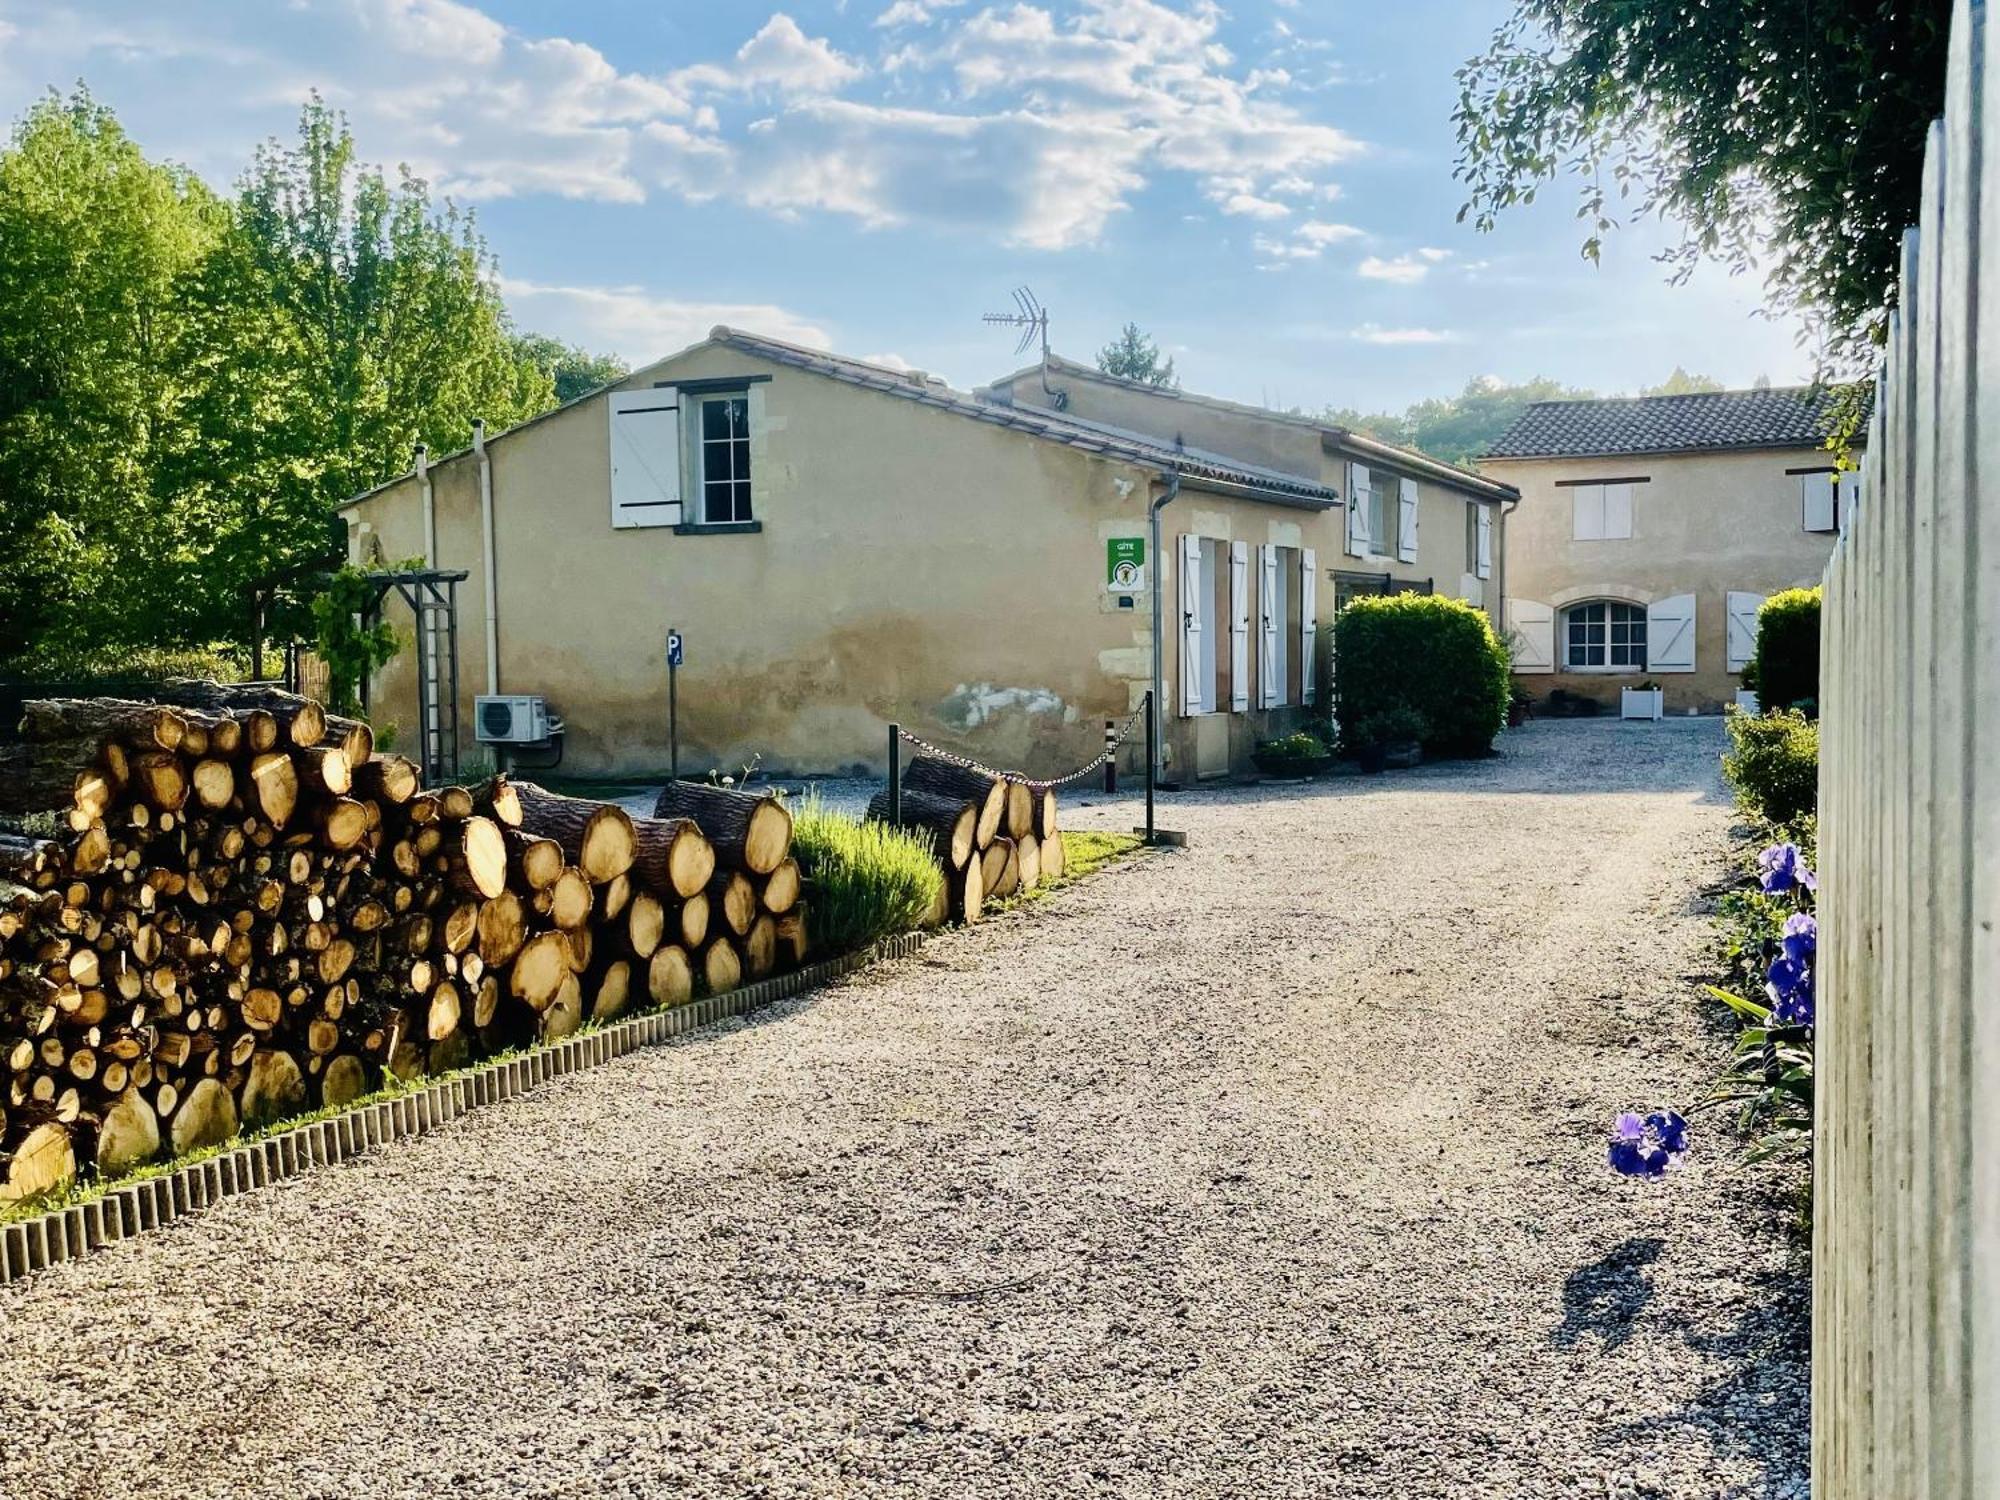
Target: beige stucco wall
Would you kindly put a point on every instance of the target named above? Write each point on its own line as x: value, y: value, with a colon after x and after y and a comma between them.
x: 1290, y: 446
x: 1708, y: 524
x: 914, y: 566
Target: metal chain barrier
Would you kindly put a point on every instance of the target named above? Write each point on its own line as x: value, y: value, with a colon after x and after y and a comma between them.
x: 1078, y: 774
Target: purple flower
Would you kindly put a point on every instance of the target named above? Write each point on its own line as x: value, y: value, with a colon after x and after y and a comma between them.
x: 1801, y: 937
x: 1794, y: 1007
x: 1782, y: 869
x: 1786, y: 975
x: 1647, y: 1147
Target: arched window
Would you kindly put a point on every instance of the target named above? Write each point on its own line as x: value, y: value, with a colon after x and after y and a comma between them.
x: 1604, y: 635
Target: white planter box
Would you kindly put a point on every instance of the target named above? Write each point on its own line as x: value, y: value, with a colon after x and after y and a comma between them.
x: 1747, y: 701
x: 1642, y: 703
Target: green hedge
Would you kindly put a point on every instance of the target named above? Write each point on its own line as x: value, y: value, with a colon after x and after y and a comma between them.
x: 1773, y: 764
x: 1436, y: 656
x: 1784, y: 670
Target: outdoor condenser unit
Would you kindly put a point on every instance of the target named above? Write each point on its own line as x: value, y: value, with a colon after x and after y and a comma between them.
x: 513, y: 719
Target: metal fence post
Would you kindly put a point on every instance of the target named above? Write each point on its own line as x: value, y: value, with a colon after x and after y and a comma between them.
x: 895, y: 773
x: 1150, y: 773
x: 1110, y: 756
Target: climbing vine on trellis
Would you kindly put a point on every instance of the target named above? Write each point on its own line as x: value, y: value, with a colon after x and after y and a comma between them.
x: 350, y: 649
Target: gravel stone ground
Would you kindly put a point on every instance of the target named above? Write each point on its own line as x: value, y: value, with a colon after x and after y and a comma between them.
x: 1273, y: 1167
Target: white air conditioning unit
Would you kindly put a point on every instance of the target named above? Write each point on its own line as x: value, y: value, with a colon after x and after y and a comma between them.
x: 513, y: 719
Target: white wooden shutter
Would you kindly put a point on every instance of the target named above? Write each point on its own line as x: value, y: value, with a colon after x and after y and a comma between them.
x: 1817, y: 501
x: 1308, y: 623
x: 1587, y: 513
x: 1670, y: 634
x: 1270, y: 691
x: 1743, y: 628
x: 1239, y: 626
x: 645, y: 458
x: 1617, y: 512
x: 1483, y: 556
x: 1406, y: 521
x: 1358, y: 497
x: 1531, y: 630
x: 1847, y: 494
x: 1192, y: 612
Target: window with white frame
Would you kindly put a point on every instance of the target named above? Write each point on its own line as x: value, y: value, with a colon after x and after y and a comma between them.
x: 1601, y: 512
x: 1824, y: 497
x: 1604, y: 635
x: 722, y: 457
x: 1385, y: 510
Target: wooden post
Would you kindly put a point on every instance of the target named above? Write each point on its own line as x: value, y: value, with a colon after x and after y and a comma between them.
x: 1906, y: 1202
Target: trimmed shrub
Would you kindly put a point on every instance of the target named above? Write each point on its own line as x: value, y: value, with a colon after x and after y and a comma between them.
x: 1773, y: 764
x: 867, y: 880
x: 1784, y: 669
x: 1436, y: 656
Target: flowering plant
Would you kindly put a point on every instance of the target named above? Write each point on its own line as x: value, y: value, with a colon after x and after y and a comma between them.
x: 1646, y: 1146
x: 1772, y: 1074
x: 1773, y: 995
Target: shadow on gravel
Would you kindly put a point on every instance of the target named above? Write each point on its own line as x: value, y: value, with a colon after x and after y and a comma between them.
x: 1606, y: 1297
x: 1757, y: 1408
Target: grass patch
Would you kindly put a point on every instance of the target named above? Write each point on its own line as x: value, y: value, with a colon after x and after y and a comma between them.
x: 1087, y: 853
x: 867, y: 880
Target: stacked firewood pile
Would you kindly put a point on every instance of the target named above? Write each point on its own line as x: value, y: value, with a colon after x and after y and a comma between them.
x: 992, y: 835
x: 248, y: 913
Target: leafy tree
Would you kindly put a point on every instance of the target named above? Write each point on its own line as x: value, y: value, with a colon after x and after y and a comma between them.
x: 189, y: 384
x: 1458, y: 428
x: 99, y: 245
x: 1680, y: 383
x: 1133, y: 355
x: 571, y: 370
x: 1793, y: 132
x: 389, y: 319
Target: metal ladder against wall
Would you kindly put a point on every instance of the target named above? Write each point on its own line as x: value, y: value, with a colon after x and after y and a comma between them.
x: 432, y: 597
x: 437, y: 679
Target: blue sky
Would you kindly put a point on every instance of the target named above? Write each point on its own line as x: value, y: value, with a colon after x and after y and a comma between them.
x: 1265, y: 185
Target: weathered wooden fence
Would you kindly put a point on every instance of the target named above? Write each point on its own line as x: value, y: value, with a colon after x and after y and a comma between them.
x: 1906, y: 1274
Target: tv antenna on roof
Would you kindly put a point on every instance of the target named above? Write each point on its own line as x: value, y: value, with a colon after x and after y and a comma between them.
x: 1033, y: 320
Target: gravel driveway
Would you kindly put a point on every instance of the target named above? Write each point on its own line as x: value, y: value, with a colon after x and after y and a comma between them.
x: 1268, y: 1168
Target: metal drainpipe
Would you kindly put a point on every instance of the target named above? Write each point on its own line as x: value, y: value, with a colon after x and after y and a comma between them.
x: 1499, y: 608
x: 1159, y: 670
x: 492, y: 569
x: 430, y: 511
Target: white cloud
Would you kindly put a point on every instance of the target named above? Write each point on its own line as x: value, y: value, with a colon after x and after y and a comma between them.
x: 914, y: 12
x: 1374, y: 333
x: 1307, y: 241
x: 1433, y: 255
x: 640, y: 327
x: 780, y: 58
x: 1011, y: 121
x: 1249, y: 205
x: 1405, y: 270
x: 1325, y: 232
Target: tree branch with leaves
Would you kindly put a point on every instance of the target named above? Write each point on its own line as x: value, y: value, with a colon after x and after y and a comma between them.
x: 1783, y: 137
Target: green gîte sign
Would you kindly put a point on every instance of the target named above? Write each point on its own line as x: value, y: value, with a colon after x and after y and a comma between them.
x: 1125, y: 564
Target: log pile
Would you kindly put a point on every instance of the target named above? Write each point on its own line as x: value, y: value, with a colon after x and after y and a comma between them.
x: 750, y: 888
x: 993, y: 836
x: 246, y: 912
